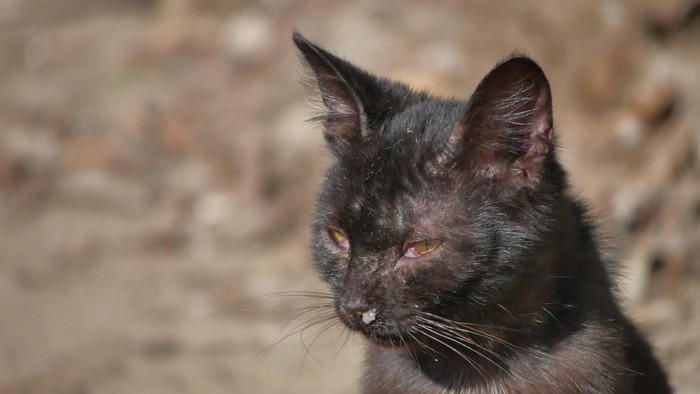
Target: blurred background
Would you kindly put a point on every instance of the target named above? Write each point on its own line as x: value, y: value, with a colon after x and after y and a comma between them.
x: 157, y: 173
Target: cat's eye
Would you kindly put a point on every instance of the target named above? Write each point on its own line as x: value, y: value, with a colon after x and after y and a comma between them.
x: 421, y: 248
x: 339, y: 238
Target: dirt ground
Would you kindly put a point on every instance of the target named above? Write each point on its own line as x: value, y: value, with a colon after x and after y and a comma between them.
x: 157, y: 173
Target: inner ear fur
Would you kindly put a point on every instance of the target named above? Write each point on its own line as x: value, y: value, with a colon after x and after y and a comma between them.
x: 508, y: 121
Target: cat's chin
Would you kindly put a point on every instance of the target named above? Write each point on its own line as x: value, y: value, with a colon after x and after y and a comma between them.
x: 394, y: 340
x: 388, y: 340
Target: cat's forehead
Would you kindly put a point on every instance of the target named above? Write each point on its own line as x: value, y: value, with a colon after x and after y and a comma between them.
x: 391, y: 195
x: 403, y: 152
x: 424, y: 123
x: 395, y: 180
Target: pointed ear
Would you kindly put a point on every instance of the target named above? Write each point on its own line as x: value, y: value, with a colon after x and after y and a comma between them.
x: 507, y: 125
x: 346, y: 118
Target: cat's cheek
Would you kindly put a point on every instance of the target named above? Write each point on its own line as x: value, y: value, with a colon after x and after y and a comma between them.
x: 331, y: 264
x: 338, y: 267
x: 406, y: 269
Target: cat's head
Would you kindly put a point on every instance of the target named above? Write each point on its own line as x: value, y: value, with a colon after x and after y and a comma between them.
x: 431, y: 206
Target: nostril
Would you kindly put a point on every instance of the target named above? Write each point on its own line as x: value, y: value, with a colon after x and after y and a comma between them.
x: 354, y: 310
x: 360, y: 310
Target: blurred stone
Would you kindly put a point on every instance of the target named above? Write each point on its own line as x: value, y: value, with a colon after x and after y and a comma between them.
x: 668, y: 267
x: 10, y: 293
x: 38, y: 147
x: 653, y: 100
x: 187, y: 179
x: 211, y: 210
x: 8, y: 9
x: 613, y: 14
x: 628, y: 130
x: 600, y: 80
x: 667, y: 17
x: 28, y: 163
x: 624, y: 202
x: 90, y: 151
x: 247, y: 37
x: 292, y: 135
x: 176, y: 35
x: 162, y: 348
x: 175, y: 136
x: 440, y: 58
x: 37, y: 51
x: 661, y: 309
x: 98, y: 187
x: 175, y: 6
x: 168, y: 238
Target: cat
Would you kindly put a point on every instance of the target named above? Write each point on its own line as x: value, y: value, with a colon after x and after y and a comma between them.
x: 449, y: 238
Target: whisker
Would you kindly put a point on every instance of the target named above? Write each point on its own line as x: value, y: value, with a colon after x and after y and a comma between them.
x: 551, y: 314
x: 410, y: 353
x: 297, y: 329
x: 318, y: 334
x: 425, y: 346
x: 470, y: 329
x: 308, y: 309
x: 488, y: 326
x: 456, y: 340
x: 290, y: 294
x: 321, y: 317
x: 511, y: 315
x: 345, y: 342
x: 477, y: 367
x: 285, y: 310
x: 305, y: 294
x: 308, y: 350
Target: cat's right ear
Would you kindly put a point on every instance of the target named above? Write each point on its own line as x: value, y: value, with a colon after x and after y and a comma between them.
x: 346, y: 119
x: 507, y: 126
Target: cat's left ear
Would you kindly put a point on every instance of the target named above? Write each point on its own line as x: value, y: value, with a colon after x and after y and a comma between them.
x: 507, y: 126
x: 346, y: 118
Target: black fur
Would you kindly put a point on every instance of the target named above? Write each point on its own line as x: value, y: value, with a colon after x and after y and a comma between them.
x: 516, y: 298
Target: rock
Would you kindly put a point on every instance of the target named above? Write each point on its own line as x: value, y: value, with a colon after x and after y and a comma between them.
x: 38, y: 147
x: 211, y: 211
x: 162, y: 348
x: 628, y: 130
x: 663, y: 18
x: 37, y: 52
x: 602, y: 77
x: 93, y: 186
x: 8, y: 9
x: 247, y: 37
x: 653, y: 99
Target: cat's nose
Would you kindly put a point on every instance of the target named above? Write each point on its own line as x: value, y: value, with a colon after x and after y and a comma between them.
x: 360, y: 310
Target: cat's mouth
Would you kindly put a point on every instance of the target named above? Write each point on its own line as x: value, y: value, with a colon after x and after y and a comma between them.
x: 376, y: 326
x: 379, y: 332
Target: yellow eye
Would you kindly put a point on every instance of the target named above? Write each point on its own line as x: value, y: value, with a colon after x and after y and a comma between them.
x: 339, y: 238
x: 421, y: 248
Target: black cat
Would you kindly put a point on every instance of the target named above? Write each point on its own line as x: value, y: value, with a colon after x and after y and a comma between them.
x: 448, y: 237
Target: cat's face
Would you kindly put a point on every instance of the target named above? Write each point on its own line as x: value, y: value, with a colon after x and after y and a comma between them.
x: 431, y: 205
x: 391, y: 247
